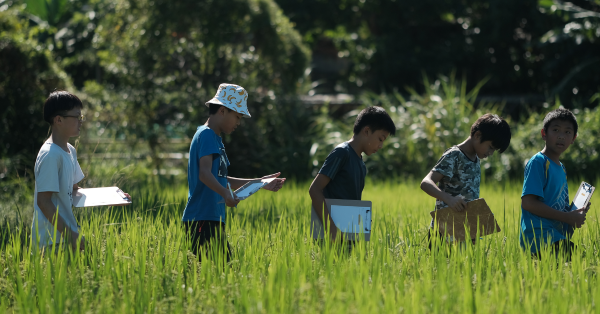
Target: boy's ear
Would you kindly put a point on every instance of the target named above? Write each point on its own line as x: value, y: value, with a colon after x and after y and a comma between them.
x: 477, y: 135
x: 366, y: 130
x: 543, y: 134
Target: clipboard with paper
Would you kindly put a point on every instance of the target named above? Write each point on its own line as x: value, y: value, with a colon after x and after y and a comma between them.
x: 251, y: 187
x: 477, y: 217
x: 583, y: 196
x: 352, y: 218
x: 106, y: 196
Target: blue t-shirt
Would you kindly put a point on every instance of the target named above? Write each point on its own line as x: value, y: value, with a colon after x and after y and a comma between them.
x: 548, y: 181
x: 204, y: 203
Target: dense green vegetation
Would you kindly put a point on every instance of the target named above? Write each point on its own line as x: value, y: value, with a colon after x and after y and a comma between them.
x: 137, y: 260
x: 530, y: 49
x: 428, y: 123
x: 144, y: 69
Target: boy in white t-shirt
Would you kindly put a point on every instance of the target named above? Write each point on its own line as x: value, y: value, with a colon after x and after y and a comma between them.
x: 57, y: 173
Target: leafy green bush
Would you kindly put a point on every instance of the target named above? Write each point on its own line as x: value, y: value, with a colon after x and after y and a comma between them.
x: 429, y: 123
x: 581, y: 159
x: 426, y: 125
x: 160, y: 65
x: 27, y: 75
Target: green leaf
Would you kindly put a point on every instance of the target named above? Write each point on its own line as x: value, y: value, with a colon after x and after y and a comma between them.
x: 37, y: 8
x: 50, y: 11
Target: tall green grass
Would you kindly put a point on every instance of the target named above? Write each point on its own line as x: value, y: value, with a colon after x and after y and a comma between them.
x: 137, y: 261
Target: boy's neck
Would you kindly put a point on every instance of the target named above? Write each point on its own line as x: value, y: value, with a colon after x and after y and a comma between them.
x: 468, y: 148
x: 213, y: 124
x: 356, y: 144
x: 60, y: 139
x: 554, y: 156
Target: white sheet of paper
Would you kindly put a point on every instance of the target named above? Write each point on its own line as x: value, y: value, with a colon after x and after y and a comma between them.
x: 252, y: 188
x: 580, y: 199
x: 350, y: 218
x: 107, y: 196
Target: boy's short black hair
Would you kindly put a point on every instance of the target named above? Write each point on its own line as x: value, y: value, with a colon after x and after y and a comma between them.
x: 376, y: 118
x: 59, y: 102
x: 560, y: 114
x: 493, y: 128
x: 213, y: 108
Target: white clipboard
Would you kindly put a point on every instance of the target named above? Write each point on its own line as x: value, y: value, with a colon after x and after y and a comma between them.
x: 107, y: 196
x: 251, y: 187
x: 352, y: 218
x: 583, y: 196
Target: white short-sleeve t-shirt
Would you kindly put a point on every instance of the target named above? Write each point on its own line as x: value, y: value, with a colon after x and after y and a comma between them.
x: 55, y: 171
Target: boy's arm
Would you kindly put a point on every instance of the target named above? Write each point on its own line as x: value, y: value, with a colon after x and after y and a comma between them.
x: 318, y: 200
x: 211, y: 182
x: 429, y: 186
x: 532, y: 204
x: 44, y: 202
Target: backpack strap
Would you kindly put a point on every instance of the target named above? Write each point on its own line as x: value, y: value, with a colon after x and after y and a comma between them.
x: 546, y: 169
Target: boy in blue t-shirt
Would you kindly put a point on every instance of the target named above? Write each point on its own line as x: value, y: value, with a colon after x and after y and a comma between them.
x: 546, y: 217
x: 342, y: 175
x: 204, y: 215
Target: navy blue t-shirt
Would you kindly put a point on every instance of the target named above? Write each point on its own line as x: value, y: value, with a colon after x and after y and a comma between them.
x: 347, y: 172
x: 204, y: 203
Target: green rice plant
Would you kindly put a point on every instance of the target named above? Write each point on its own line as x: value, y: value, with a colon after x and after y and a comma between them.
x: 137, y: 259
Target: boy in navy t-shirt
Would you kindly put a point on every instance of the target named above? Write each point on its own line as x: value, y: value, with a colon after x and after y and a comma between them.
x: 546, y: 217
x: 343, y: 173
x: 204, y: 215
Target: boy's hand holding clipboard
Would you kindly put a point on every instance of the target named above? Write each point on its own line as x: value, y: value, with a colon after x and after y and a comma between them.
x: 233, y: 200
x: 582, y: 197
x: 581, y: 205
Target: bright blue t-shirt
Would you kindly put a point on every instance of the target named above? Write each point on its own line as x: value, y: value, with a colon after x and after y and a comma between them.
x: 548, y: 181
x: 204, y: 203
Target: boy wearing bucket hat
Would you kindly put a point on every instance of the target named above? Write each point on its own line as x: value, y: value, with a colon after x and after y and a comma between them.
x: 208, y: 180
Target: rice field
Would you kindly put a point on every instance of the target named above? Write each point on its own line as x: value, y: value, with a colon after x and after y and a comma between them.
x: 137, y: 261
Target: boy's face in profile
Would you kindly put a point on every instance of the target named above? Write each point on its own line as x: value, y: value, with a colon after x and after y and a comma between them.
x: 483, y: 149
x: 231, y: 120
x: 69, y: 123
x: 559, y: 135
x: 374, y: 140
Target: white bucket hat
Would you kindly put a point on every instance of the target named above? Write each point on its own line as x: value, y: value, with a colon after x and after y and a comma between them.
x: 233, y: 97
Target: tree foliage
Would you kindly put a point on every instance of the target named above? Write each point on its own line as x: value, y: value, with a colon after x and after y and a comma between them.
x: 160, y: 64
x: 27, y: 75
x: 430, y: 122
x: 145, y: 68
x: 531, y: 50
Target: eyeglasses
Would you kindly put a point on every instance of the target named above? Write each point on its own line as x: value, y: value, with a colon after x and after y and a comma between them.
x: 81, y: 118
